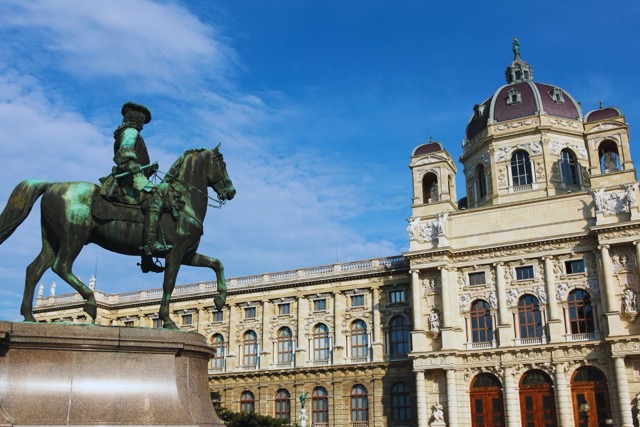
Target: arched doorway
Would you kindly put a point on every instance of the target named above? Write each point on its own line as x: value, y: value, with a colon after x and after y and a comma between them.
x: 537, y: 401
x: 589, y: 385
x: 487, y: 406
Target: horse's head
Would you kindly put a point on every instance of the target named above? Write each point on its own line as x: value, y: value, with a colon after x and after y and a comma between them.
x: 217, y: 176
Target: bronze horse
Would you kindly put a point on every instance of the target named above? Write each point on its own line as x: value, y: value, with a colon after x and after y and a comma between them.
x: 68, y: 224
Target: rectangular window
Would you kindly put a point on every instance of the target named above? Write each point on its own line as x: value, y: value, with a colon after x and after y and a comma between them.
x: 250, y: 313
x: 128, y: 323
x: 574, y: 266
x: 157, y: 323
x: 284, y: 309
x: 320, y: 305
x: 524, y: 273
x: 477, y: 278
x: 187, y: 319
x: 396, y: 296
x: 217, y: 316
x: 357, y: 301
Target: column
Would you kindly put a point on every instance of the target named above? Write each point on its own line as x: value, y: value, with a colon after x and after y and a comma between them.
x: 637, y: 245
x: 608, y: 292
x: 452, y: 397
x: 300, y: 351
x: 416, y: 299
x: 624, y: 398
x: 563, y: 397
x: 447, y: 306
x: 376, y: 335
x: 505, y: 331
x: 421, y: 398
x: 338, y: 333
x: 549, y: 280
x: 555, y: 324
x: 266, y: 347
x: 512, y: 399
x: 232, y: 347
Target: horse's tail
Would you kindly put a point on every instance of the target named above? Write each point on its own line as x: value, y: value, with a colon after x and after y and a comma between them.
x: 19, y: 205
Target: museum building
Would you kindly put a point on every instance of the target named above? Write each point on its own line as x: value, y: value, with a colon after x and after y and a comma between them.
x: 514, y: 306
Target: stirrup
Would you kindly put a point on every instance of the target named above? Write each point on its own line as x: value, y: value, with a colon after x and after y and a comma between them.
x: 147, y: 264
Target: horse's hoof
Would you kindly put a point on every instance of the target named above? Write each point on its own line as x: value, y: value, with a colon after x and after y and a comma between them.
x: 91, y: 310
x: 170, y: 325
x: 219, y: 302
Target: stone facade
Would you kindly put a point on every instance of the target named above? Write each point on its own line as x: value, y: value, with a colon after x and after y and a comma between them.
x: 516, y: 305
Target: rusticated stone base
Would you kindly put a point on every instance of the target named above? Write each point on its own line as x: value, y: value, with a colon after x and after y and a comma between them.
x: 69, y: 375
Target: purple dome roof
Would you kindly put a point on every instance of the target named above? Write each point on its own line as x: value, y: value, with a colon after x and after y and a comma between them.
x: 431, y: 147
x: 602, y: 113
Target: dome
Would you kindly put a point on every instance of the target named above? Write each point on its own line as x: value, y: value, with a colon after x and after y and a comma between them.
x: 602, y: 113
x: 522, y: 97
x: 431, y: 147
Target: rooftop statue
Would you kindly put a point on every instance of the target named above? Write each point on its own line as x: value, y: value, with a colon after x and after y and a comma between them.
x: 516, y: 48
x: 125, y: 215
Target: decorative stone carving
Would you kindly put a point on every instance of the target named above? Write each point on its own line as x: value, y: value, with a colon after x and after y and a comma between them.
x: 512, y: 296
x: 437, y: 415
x: 411, y: 228
x: 542, y: 294
x: 434, y: 321
x: 493, y: 299
x: 561, y: 291
x: 629, y: 302
x: 463, y: 302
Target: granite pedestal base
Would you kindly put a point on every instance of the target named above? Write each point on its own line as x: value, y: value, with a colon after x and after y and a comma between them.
x: 71, y: 375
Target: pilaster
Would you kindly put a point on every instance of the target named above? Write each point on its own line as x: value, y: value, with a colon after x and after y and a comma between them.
x: 421, y: 400
x: 563, y: 398
x: 512, y: 399
x: 612, y: 311
x: 377, y: 338
x: 554, y: 322
x: 504, y: 327
x: 624, y: 398
x: 452, y: 397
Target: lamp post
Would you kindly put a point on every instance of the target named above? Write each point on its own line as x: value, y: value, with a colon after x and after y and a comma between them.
x: 584, y: 410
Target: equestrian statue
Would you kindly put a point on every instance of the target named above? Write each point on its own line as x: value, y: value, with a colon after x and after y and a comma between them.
x: 127, y: 214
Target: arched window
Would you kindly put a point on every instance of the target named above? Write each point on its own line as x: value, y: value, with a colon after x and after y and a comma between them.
x: 283, y: 405
x: 399, y: 336
x: 359, y: 404
x: 284, y: 346
x: 609, y: 156
x: 521, y: 168
x: 529, y: 317
x: 481, y: 322
x: 247, y: 402
x: 321, y: 351
x: 569, y: 167
x: 430, y: 188
x: 400, y: 402
x: 487, y: 407
x: 580, y: 309
x: 249, y: 349
x: 320, y: 406
x: 217, y: 342
x: 359, y: 340
x: 589, y: 385
x: 481, y: 182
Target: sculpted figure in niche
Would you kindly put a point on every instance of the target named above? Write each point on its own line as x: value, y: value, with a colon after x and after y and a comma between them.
x: 629, y: 301
x: 630, y: 195
x: 437, y: 413
x: 434, y: 321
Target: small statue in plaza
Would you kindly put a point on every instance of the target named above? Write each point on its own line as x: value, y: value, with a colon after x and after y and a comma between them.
x: 125, y: 215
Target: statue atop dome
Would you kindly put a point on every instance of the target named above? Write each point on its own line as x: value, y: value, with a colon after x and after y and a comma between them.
x: 516, y: 48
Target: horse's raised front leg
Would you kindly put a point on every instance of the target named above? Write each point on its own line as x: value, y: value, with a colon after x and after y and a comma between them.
x: 36, y: 269
x: 199, y: 260
x: 172, y: 266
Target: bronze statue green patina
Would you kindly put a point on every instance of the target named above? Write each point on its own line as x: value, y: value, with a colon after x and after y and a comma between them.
x: 129, y: 180
x: 516, y: 48
x: 74, y: 214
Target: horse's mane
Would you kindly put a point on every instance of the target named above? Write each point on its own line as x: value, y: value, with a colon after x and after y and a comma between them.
x: 174, y: 170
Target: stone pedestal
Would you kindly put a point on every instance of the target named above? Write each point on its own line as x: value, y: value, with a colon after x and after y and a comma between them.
x: 69, y: 375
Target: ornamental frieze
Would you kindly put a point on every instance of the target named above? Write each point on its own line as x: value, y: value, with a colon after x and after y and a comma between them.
x: 515, y: 125
x: 563, y: 123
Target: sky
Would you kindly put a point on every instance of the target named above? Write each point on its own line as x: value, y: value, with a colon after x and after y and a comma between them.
x: 318, y: 106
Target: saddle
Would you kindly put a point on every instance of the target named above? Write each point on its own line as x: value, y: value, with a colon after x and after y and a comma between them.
x: 114, y: 211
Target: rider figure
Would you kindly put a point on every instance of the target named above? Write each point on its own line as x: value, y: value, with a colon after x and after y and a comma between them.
x: 133, y: 165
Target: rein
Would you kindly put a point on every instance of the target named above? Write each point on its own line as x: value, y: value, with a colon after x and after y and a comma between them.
x: 218, y: 203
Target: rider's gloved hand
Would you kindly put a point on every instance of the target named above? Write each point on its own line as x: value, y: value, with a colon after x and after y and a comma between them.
x: 133, y: 166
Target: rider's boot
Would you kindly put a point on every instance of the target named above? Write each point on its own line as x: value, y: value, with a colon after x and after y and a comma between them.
x: 153, y: 247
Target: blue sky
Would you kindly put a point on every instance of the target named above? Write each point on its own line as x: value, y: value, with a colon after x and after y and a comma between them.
x: 318, y: 106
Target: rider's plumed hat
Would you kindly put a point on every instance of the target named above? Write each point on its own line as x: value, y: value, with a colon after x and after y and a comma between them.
x: 132, y: 106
